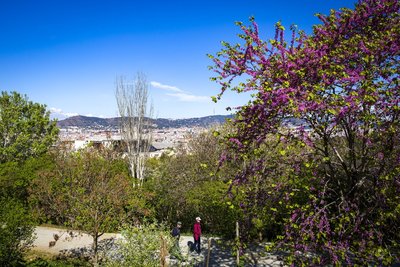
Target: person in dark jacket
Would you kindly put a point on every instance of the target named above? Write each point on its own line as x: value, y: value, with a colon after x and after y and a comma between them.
x: 197, y: 234
x: 176, y: 233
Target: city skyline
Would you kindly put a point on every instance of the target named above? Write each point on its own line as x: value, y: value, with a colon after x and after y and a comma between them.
x: 68, y: 54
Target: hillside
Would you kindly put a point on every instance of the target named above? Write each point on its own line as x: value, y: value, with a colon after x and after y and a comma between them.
x: 111, y: 123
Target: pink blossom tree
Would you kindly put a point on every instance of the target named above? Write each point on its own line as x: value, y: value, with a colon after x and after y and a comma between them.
x: 340, y: 85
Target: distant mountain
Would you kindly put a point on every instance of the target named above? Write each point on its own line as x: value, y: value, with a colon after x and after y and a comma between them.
x: 113, y: 123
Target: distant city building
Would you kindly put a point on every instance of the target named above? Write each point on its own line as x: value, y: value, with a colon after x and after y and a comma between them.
x: 165, y: 140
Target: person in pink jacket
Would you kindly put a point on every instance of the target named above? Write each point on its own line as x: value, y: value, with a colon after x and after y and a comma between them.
x: 197, y: 234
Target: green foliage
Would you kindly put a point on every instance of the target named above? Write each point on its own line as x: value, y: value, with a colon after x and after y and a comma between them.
x: 217, y: 210
x: 16, y: 232
x: 25, y: 128
x: 100, y: 192
x: 269, y: 194
x: 142, y: 245
x: 15, y: 177
x: 26, y: 133
x: 190, y: 184
x: 88, y: 190
x: 12, y: 183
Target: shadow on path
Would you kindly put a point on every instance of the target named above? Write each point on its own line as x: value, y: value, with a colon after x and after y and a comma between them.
x: 221, y: 254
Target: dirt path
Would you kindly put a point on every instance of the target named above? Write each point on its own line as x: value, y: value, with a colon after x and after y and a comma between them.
x: 219, y: 254
x: 66, y: 241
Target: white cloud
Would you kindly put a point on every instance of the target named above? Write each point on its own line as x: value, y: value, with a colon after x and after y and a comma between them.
x: 58, y: 113
x: 179, y: 94
x: 55, y: 110
x: 184, y: 97
x: 93, y: 115
x: 165, y: 87
x: 70, y: 114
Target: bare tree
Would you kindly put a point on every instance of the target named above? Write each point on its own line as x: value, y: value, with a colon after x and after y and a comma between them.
x: 135, y: 124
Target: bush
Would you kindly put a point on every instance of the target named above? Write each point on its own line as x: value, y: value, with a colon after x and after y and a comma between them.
x: 16, y: 232
x: 145, y: 245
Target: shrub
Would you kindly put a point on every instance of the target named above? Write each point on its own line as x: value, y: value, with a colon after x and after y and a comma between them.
x: 142, y: 245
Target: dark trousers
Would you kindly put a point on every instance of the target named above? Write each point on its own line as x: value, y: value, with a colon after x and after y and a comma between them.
x: 197, y: 245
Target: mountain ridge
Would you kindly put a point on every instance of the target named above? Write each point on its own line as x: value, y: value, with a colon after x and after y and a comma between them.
x: 113, y: 123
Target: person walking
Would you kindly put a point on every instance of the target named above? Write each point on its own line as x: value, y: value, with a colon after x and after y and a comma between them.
x: 197, y: 235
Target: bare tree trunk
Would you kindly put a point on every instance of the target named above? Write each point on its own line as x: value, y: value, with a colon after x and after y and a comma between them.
x: 135, y: 126
x: 95, y: 250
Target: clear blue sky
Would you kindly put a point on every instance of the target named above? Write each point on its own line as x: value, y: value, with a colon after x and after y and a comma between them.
x: 67, y: 54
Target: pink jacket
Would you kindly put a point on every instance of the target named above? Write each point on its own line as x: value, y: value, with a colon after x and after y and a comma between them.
x: 196, y: 231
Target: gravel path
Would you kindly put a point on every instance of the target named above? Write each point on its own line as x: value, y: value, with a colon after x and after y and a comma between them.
x: 221, y: 255
x: 75, y: 243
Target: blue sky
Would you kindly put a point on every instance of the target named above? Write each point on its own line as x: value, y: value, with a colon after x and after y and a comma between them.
x: 67, y: 54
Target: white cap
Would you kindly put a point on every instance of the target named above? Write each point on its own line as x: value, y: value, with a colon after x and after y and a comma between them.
x: 198, y: 219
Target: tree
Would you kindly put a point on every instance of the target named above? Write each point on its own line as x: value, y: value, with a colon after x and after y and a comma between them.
x: 87, y: 190
x: 25, y: 132
x: 25, y: 128
x: 135, y: 126
x: 341, y: 86
x: 187, y: 185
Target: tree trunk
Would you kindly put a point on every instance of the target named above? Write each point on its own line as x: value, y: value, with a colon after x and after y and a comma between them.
x: 95, y: 250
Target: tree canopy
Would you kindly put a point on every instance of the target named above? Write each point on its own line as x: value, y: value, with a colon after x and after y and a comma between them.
x: 25, y: 128
x: 88, y: 190
x: 187, y: 185
x: 26, y: 132
x: 340, y: 85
